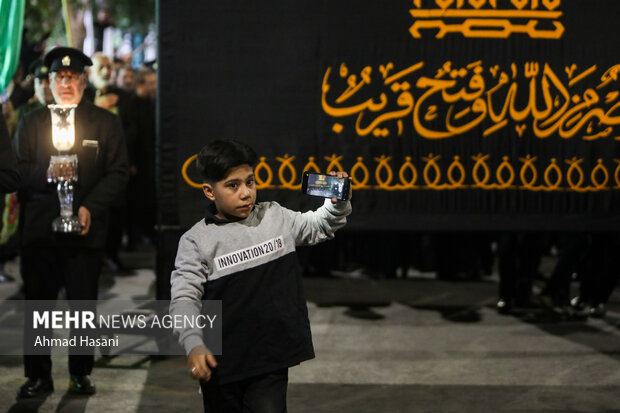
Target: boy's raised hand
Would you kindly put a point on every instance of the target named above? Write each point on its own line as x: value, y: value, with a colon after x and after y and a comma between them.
x: 199, y: 361
x: 341, y: 175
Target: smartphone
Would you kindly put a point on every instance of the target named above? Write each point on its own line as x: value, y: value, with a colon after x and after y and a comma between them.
x: 326, y: 186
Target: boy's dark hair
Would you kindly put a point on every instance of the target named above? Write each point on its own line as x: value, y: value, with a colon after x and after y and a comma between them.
x: 218, y: 157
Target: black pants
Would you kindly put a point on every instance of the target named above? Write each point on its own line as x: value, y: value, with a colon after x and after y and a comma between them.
x: 519, y: 258
x: 603, y: 268
x: 44, y: 271
x: 260, y: 394
x: 116, y: 228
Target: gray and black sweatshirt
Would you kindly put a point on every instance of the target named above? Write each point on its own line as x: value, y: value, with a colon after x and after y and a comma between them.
x: 251, y: 266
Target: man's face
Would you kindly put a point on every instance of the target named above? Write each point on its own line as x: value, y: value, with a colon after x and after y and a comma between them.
x: 149, y: 87
x: 67, y: 86
x: 126, y: 79
x: 235, y: 195
x: 101, y: 72
x: 42, y: 91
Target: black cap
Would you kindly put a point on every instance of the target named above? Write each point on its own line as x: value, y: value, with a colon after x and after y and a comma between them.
x: 66, y: 58
x: 38, y: 69
x: 151, y: 65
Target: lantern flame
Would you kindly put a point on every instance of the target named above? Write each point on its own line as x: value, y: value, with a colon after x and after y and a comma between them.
x: 63, y: 126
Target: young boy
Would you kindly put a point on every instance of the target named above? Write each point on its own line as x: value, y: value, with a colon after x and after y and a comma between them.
x: 265, y: 319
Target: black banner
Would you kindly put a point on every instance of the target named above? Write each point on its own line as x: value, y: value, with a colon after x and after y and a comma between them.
x: 448, y: 114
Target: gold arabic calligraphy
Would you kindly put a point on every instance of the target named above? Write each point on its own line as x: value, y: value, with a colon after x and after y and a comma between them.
x: 456, y: 100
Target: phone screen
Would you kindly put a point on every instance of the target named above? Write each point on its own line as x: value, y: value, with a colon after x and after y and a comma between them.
x: 326, y: 186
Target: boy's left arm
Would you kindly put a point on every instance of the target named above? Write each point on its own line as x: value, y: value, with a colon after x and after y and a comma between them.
x: 312, y: 227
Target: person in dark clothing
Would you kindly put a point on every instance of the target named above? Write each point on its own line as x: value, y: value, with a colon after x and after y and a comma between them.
x: 102, y: 93
x: 22, y: 89
x: 519, y: 256
x: 9, y: 175
x: 53, y: 260
x: 126, y: 78
x: 9, y: 182
x: 142, y: 206
x: 600, y: 274
x: 42, y: 93
x: 572, y: 251
x: 593, y: 258
x: 9, y: 205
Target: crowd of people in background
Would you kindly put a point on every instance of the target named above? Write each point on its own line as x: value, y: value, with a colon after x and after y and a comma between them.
x: 127, y: 91
x: 582, y: 270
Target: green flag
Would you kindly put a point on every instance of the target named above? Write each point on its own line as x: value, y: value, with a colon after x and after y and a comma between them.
x: 11, y: 24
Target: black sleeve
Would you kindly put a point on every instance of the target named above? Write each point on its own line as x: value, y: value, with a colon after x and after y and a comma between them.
x: 9, y: 175
x: 33, y: 175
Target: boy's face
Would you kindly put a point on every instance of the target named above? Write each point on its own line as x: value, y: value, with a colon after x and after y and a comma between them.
x: 235, y: 195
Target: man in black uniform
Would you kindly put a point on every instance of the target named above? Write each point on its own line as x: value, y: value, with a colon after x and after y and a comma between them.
x: 51, y: 260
